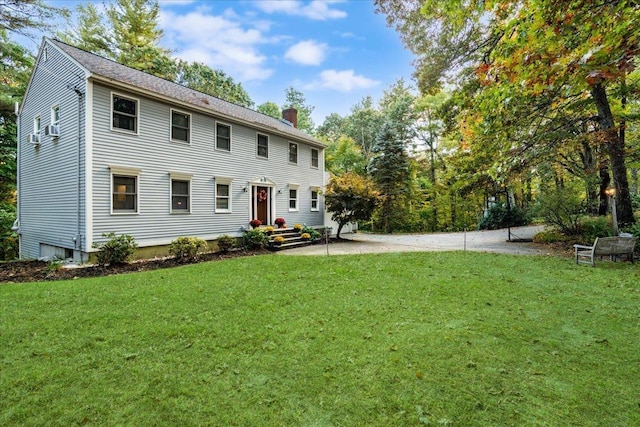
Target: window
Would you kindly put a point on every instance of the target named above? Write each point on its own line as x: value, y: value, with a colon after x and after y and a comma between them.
x: 293, y: 153
x: 314, y: 199
x: 180, y: 196
x: 36, y: 126
x: 223, y: 137
x: 124, y: 189
x: 314, y: 158
x: 125, y: 113
x: 223, y: 194
x: 293, y: 197
x: 125, y: 196
x: 180, y: 129
x: 263, y: 146
x: 55, y: 115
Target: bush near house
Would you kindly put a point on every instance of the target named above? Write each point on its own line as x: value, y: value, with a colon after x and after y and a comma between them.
x: 226, y: 243
x: 186, y: 248
x: 254, y: 239
x: 117, y: 250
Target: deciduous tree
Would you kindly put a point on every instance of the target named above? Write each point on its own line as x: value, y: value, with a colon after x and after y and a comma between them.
x: 551, y: 54
x: 350, y: 198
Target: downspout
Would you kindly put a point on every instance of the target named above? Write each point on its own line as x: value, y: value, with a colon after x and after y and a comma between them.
x: 16, y: 223
x: 78, y: 236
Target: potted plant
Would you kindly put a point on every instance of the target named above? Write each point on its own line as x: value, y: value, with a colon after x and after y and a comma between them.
x: 278, y: 240
x: 255, y: 223
x: 268, y: 230
x: 280, y: 222
x: 306, y: 236
x: 297, y: 227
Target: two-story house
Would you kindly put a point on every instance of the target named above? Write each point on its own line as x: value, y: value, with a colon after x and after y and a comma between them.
x: 103, y: 147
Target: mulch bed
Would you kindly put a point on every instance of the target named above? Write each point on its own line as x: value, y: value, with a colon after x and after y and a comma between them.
x: 38, y: 271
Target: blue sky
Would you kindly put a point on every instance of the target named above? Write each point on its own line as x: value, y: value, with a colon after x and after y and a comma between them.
x: 335, y: 52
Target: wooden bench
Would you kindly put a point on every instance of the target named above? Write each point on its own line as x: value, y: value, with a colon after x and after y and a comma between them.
x: 603, y: 246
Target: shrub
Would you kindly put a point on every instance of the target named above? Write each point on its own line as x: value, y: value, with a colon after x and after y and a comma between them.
x: 279, y: 222
x: 254, y: 239
x: 635, y: 231
x: 255, y: 223
x: 499, y: 217
x: 186, y: 248
x: 592, y: 227
x: 117, y: 250
x: 313, y: 234
x: 551, y: 235
x: 8, y: 238
x: 226, y: 243
x: 561, y: 208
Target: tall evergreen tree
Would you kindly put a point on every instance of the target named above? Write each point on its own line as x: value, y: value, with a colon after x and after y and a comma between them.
x: 20, y: 16
x: 390, y: 170
x: 136, y: 34
x: 294, y: 98
x: 91, y: 33
x: 129, y: 33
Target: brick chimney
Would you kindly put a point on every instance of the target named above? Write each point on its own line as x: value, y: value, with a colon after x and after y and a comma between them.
x: 291, y: 115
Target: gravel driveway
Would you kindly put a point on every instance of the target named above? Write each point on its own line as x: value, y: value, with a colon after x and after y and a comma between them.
x: 480, y: 241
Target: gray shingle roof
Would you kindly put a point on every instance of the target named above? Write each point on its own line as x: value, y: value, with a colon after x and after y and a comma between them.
x: 106, y: 68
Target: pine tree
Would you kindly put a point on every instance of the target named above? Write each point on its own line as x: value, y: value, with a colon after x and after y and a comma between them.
x: 389, y: 169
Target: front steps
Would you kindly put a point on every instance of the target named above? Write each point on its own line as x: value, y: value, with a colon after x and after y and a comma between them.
x: 292, y: 239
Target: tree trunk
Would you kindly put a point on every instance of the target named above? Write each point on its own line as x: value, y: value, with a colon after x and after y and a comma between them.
x: 615, y: 146
x: 605, y: 180
x: 340, y: 225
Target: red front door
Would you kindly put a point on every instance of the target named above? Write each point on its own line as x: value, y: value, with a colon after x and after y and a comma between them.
x: 261, y: 203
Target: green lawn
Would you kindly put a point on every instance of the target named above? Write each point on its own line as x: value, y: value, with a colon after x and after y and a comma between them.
x: 410, y: 339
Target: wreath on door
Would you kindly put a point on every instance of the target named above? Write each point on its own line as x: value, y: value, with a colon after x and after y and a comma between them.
x: 262, y: 195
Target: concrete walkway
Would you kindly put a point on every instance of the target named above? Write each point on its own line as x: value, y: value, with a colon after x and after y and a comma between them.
x: 480, y: 241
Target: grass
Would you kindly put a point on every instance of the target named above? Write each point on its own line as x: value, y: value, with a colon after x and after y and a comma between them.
x: 405, y: 339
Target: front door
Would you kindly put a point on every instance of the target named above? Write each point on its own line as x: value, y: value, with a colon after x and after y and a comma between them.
x: 261, y: 198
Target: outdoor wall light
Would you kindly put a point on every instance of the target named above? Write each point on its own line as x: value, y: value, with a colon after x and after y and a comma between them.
x: 244, y: 189
x: 610, y: 191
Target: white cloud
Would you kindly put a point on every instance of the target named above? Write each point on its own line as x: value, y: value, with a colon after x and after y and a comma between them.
x: 318, y: 10
x: 218, y: 41
x: 307, y: 52
x: 344, y: 81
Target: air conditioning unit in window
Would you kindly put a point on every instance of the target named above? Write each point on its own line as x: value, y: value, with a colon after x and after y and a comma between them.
x: 33, y: 138
x: 52, y: 130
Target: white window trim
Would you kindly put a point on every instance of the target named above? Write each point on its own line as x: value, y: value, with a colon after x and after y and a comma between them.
x: 180, y: 176
x: 318, y: 165
x: 317, y: 190
x: 37, y: 125
x: 188, y: 141
x: 297, y: 199
x: 128, y: 172
x: 131, y: 98
x: 258, y: 135
x: 289, y: 153
x: 215, y: 137
x: 222, y: 180
x: 53, y: 109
